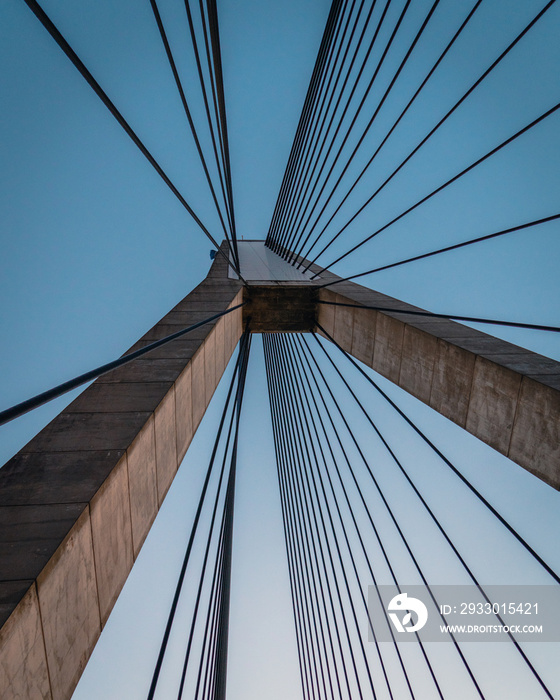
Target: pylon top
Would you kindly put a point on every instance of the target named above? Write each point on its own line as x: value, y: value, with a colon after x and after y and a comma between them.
x: 261, y: 264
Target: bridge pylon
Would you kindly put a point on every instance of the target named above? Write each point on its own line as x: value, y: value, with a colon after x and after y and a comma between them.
x: 77, y: 502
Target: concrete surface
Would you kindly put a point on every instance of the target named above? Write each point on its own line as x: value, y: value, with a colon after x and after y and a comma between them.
x: 77, y: 502
x: 505, y: 395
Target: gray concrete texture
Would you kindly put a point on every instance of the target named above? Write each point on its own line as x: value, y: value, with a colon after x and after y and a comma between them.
x: 77, y: 502
x: 506, y: 396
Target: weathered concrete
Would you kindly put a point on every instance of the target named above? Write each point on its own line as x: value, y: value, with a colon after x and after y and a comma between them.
x: 23, y: 669
x: 69, y: 605
x: 507, y: 396
x: 111, y: 529
x: 77, y: 502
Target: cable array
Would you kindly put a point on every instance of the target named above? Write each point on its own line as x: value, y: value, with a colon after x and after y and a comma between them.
x: 342, y: 527
x: 209, y: 19
x: 204, y: 668
x: 210, y: 76
x: 336, y: 128
x: 447, y: 249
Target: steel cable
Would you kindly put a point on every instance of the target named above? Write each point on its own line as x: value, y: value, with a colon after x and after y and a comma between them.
x: 395, y: 124
x: 92, y: 82
x: 428, y: 136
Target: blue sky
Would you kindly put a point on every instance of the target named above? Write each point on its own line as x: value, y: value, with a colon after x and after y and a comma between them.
x: 95, y: 249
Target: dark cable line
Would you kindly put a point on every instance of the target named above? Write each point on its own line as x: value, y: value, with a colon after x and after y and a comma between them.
x: 291, y: 541
x: 280, y: 457
x: 209, y: 682
x: 304, y: 451
x: 374, y: 526
x: 308, y: 141
x: 302, y: 372
x: 304, y: 535
x: 355, y: 117
x: 301, y: 226
x: 219, y: 551
x: 215, y: 68
x: 220, y: 675
x: 212, y: 603
x: 214, y: 31
x: 287, y: 364
x: 302, y: 398
x: 301, y: 594
x: 467, y: 483
x: 293, y: 506
x: 211, y: 528
x: 440, y: 527
x: 441, y: 121
x: 335, y: 500
x: 202, y: 82
x: 466, y: 170
x: 212, y: 79
x: 294, y: 487
x: 303, y: 120
x: 355, y: 84
x: 92, y: 82
x: 223, y: 536
x: 456, y: 246
x: 208, y: 664
x: 208, y: 652
x: 300, y: 590
x: 390, y: 512
x: 392, y: 129
x: 363, y: 136
x: 322, y: 105
x: 196, y: 520
x: 281, y: 245
x: 20, y: 409
x: 221, y: 95
x: 304, y: 137
x: 294, y: 570
x: 396, y: 524
x: 429, y: 314
x: 297, y: 487
x: 367, y: 508
x: 300, y: 357
x: 181, y: 91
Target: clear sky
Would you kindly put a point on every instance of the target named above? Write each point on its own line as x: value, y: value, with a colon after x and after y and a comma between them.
x: 95, y: 250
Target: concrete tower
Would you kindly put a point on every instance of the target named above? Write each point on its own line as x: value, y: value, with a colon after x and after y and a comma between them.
x: 77, y: 502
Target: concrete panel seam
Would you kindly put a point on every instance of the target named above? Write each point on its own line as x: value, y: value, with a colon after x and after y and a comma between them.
x: 155, y: 445
x: 402, y: 350
x: 179, y: 451
x: 149, y: 426
x: 34, y: 586
x: 433, y: 376
x: 433, y: 364
x: 476, y: 359
x: 94, y: 564
x: 129, y: 503
x: 62, y: 686
x: 514, y: 417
